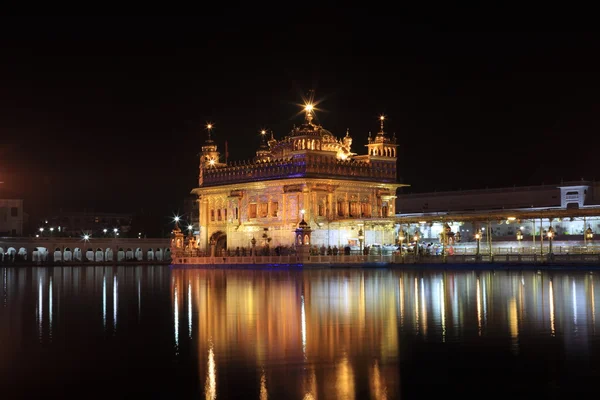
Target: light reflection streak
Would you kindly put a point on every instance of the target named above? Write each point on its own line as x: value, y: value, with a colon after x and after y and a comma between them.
x: 574, y: 295
x: 40, y: 309
x: 303, y: 326
x: 211, y: 375
x: 423, y: 308
x: 478, y: 307
x: 551, y: 296
x: 4, y: 280
x: 264, y: 394
x: 443, y: 307
x: 484, y: 295
x: 176, y: 317
x: 115, y: 302
x: 50, y: 309
x: 513, y: 323
x: 417, y: 305
x: 593, y: 301
x: 104, y: 301
x: 139, y: 297
x: 310, y: 386
x: 401, y: 301
x: 345, y: 380
x: 190, y: 309
x: 377, y: 384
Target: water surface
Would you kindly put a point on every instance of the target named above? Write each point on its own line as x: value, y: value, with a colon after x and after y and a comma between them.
x: 117, y: 332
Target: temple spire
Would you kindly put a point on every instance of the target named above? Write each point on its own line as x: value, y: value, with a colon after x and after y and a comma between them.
x: 381, y: 119
x: 209, y: 128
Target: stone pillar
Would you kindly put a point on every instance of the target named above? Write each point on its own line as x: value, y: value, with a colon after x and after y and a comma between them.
x: 203, y: 236
x: 213, y: 245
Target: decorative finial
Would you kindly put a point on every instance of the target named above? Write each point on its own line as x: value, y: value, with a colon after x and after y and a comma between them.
x: 381, y: 119
x: 347, y: 132
x: 209, y: 127
x: 308, y: 108
x: 369, y: 133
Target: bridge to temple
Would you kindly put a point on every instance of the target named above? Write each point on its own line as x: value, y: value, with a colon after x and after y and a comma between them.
x: 59, y: 249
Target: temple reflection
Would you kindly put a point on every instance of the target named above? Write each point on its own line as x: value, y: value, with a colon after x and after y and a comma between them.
x: 340, y: 317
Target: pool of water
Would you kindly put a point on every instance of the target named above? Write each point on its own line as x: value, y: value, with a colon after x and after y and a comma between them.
x: 157, y: 332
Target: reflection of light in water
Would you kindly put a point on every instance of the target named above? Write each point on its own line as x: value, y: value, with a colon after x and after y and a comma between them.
x: 104, y: 301
x: 513, y: 322
x: 593, y: 304
x: 551, y: 295
x: 190, y: 309
x: 139, y: 293
x: 443, y: 307
x: 211, y: 375
x: 574, y: 305
x: 345, y: 380
x: 310, y: 386
x: 264, y: 395
x: 40, y: 308
x: 377, y: 384
x: 423, y: 308
x: 115, y: 301
x: 484, y: 295
x: 50, y: 309
x: 176, y: 316
x: 303, y: 325
x: 4, y: 279
x: 478, y: 307
x: 401, y: 296
x: 416, y: 305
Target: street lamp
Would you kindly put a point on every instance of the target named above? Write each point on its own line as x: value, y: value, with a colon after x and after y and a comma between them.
x: 41, y: 231
x: 104, y: 230
x: 550, y: 235
x: 361, y: 238
x: 401, y: 238
x: 478, y: 238
x: 416, y: 238
x: 51, y: 230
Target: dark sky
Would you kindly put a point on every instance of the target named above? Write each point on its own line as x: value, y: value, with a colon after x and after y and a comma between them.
x: 109, y: 113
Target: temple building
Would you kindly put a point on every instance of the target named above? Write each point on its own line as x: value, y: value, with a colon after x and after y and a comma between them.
x: 309, y: 179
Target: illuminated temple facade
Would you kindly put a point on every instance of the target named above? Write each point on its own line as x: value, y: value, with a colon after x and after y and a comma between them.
x: 308, y: 178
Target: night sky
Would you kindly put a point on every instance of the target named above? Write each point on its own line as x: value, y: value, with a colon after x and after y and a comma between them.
x: 109, y: 114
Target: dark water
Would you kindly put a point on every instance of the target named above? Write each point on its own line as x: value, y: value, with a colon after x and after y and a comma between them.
x: 104, y: 332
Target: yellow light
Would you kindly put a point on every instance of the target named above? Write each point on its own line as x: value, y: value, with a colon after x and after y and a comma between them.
x: 382, y: 117
x: 263, y: 132
x: 209, y: 126
x: 422, y: 222
x: 511, y: 218
x: 212, y: 162
x: 308, y: 107
x: 477, y: 236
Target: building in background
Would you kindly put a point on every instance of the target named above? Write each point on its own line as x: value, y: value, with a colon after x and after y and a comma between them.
x: 77, y: 223
x: 309, y: 178
x: 518, y: 218
x: 191, y: 214
x: 12, y: 216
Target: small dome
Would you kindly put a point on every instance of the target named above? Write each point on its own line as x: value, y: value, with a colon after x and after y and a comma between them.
x: 303, y: 224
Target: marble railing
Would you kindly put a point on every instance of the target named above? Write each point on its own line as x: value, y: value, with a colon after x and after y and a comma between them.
x: 292, y: 168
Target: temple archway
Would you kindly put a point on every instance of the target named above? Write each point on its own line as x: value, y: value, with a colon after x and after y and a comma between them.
x: 219, y: 238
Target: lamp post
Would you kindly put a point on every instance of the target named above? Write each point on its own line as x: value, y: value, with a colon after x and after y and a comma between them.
x: 519, y: 237
x: 416, y: 238
x: 588, y: 235
x: 550, y: 235
x: 361, y: 238
x: 401, y: 238
x: 478, y: 239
